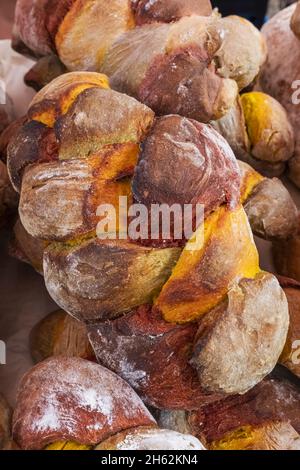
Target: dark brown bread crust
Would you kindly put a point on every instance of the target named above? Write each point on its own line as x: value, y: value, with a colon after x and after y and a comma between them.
x: 5, y: 422
x: 168, y: 10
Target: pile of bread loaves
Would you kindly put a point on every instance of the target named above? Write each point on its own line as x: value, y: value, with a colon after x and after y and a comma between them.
x: 158, y: 101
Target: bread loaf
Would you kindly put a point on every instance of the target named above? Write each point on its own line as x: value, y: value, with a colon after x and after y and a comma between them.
x: 190, y: 48
x: 84, y: 145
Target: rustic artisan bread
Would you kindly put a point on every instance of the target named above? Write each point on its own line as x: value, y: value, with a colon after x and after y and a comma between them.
x: 70, y: 403
x: 272, y: 213
x: 26, y: 248
x: 190, y: 48
x: 59, y: 334
x: 143, y: 41
x: 81, y: 147
x: 265, y: 418
x: 280, y: 73
x: 5, y: 423
x: 286, y: 254
x: 290, y: 357
x: 258, y: 130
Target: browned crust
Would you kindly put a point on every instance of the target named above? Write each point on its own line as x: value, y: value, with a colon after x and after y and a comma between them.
x: 26, y: 248
x: 111, y: 276
x: 5, y: 422
x: 76, y: 400
x: 188, y: 86
x: 56, y: 10
x: 272, y: 399
x: 32, y: 143
x: 180, y: 164
x: 127, y: 121
x: 44, y: 71
x: 291, y: 353
x: 286, y: 255
x: 245, y: 323
x: 153, y: 356
x: 30, y: 34
x: 166, y: 11
x: 271, y: 211
x: 8, y: 134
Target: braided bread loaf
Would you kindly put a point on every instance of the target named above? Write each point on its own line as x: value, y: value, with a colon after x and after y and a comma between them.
x: 175, y: 56
x: 160, y: 313
x: 70, y: 403
x: 8, y: 198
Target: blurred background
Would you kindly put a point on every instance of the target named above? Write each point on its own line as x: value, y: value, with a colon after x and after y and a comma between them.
x: 255, y: 10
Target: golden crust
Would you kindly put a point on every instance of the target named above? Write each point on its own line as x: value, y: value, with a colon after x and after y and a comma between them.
x: 248, y: 323
x: 239, y: 60
x: 71, y: 399
x: 111, y: 276
x: 79, y: 31
x: 58, y: 334
x: 204, y: 274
